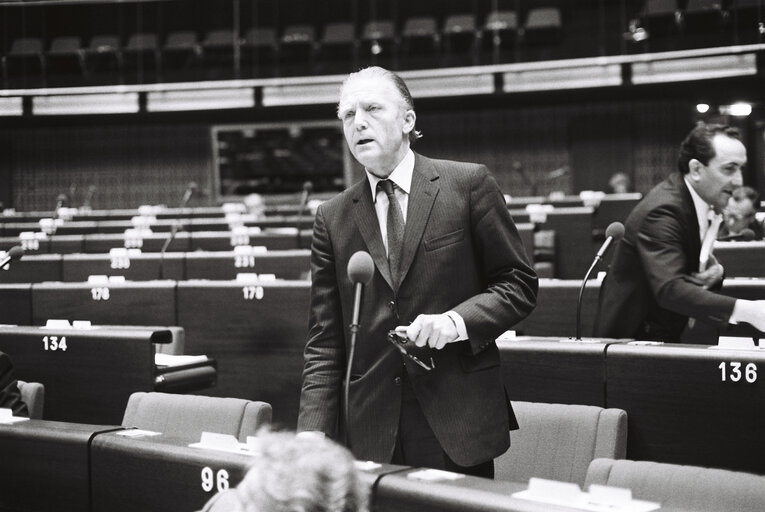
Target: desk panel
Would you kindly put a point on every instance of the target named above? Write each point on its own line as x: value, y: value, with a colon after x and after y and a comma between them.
x: 66, y: 244
x: 272, y: 240
x: 574, y: 246
x: 33, y: 269
x: 225, y: 265
x: 257, y: 342
x: 158, y: 473
x: 16, y: 304
x: 741, y: 259
x: 104, y: 242
x: 88, y: 374
x: 141, y: 267
x: 555, y: 313
x: 129, y: 303
x: 45, y: 466
x: 690, y: 404
x: 554, y: 371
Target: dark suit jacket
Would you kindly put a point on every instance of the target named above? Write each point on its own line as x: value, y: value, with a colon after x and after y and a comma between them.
x: 461, y: 252
x: 10, y: 398
x: 649, y: 292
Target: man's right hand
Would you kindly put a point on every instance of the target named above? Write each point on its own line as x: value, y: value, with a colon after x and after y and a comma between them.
x: 751, y: 312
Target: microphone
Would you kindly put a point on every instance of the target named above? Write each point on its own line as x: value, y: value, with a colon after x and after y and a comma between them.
x: 15, y: 253
x: 307, y: 189
x: 61, y: 201
x: 360, y: 271
x: 614, y: 232
x: 191, y: 189
x: 745, y: 235
x: 177, y: 226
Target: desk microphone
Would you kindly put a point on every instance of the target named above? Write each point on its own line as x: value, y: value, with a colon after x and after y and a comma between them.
x: 360, y: 271
x: 307, y: 189
x: 614, y: 232
x: 191, y: 189
x: 89, y: 196
x: 177, y: 226
x: 15, y: 253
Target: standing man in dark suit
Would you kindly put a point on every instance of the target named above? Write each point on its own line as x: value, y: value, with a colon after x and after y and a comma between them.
x: 450, y: 272
x: 660, y: 276
x: 10, y: 397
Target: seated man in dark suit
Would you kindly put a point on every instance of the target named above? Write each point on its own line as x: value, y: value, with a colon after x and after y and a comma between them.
x: 10, y: 397
x: 663, y: 272
x: 740, y: 217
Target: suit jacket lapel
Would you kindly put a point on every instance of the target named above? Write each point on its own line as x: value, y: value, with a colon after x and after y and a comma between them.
x: 691, y: 218
x: 421, y: 198
x: 366, y: 219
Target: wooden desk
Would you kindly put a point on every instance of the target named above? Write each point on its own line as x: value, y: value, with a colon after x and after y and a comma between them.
x: 273, y: 240
x: 741, y: 259
x: 159, y: 473
x: 225, y: 265
x: 550, y: 370
x: 91, y: 377
x: 16, y: 304
x: 141, y: 267
x: 45, y: 465
x: 153, y: 242
x: 33, y: 269
x: 129, y: 303
x: 690, y: 404
x: 256, y: 332
x: 555, y: 313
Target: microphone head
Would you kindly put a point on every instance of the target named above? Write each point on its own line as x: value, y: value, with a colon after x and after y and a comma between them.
x: 15, y: 252
x: 193, y: 186
x: 360, y: 268
x: 308, y: 187
x: 615, y: 230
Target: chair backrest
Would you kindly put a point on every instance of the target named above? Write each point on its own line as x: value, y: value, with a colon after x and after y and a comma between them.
x: 223, y: 38
x: 679, y: 487
x: 33, y: 394
x: 26, y: 46
x: 558, y: 441
x: 380, y: 30
x: 142, y: 42
x: 187, y: 416
x: 299, y: 34
x: 660, y: 7
x: 258, y: 37
x: 543, y: 17
x: 104, y: 43
x: 65, y: 45
x: 501, y: 20
x: 181, y: 40
x: 341, y: 32
x: 459, y: 23
x: 419, y: 27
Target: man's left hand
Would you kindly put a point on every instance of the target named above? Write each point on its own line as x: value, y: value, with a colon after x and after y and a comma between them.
x: 434, y: 331
x: 712, y: 276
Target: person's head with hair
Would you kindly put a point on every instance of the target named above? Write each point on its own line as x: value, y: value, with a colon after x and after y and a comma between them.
x: 741, y: 209
x: 378, y: 118
x: 301, y: 474
x: 255, y: 205
x: 619, y: 183
x: 712, y: 157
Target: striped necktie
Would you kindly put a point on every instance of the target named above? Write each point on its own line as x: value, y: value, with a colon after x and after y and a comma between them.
x: 395, y: 229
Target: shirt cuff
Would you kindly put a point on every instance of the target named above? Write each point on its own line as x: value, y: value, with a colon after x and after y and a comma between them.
x: 459, y: 323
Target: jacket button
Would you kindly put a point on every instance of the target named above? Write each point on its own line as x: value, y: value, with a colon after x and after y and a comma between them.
x: 397, y: 381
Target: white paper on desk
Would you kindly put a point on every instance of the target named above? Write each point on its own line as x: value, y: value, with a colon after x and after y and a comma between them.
x: 176, y: 360
x: 735, y: 343
x: 7, y: 417
x: 433, y: 475
x: 570, y: 495
x: 366, y: 465
x: 137, y: 432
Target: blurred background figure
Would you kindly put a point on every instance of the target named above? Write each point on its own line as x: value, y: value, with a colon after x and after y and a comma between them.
x: 255, y: 205
x: 307, y: 473
x: 619, y: 183
x: 740, y: 216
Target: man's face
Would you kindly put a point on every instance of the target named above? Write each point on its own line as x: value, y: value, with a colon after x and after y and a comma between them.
x: 376, y: 123
x: 739, y: 214
x: 716, y: 181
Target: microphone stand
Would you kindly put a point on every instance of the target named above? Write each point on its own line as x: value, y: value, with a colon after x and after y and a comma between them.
x: 354, y: 328
x: 579, y: 300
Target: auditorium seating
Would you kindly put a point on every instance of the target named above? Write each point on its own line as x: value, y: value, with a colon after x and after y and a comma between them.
x: 558, y: 441
x: 679, y: 487
x: 33, y: 395
x: 187, y: 416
